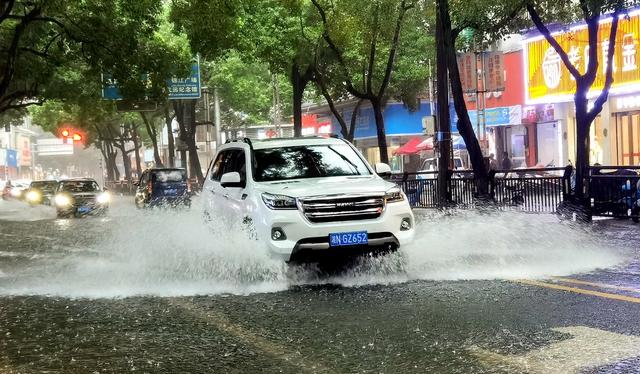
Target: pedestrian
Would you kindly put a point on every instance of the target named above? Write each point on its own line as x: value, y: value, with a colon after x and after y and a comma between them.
x: 506, y: 161
x: 493, y: 163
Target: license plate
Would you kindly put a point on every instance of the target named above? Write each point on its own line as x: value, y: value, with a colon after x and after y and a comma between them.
x: 170, y: 192
x: 84, y: 209
x: 348, y: 238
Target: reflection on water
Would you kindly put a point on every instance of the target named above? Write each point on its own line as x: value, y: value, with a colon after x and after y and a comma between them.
x: 170, y: 253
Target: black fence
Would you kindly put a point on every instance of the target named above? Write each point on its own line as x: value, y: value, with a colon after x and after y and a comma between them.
x: 615, y: 191
x: 530, y: 190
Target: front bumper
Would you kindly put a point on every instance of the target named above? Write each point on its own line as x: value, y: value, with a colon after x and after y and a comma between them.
x: 76, y: 210
x: 306, y: 240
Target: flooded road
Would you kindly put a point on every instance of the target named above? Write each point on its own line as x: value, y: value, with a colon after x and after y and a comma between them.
x: 162, y: 292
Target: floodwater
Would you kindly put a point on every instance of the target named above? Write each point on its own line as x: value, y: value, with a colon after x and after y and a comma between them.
x: 169, y: 253
x: 162, y: 292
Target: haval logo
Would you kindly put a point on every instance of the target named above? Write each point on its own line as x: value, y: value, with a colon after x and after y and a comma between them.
x: 348, y: 204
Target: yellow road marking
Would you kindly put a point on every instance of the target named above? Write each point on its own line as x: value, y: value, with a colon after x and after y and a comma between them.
x: 580, y: 291
x: 220, y: 322
x: 596, y: 284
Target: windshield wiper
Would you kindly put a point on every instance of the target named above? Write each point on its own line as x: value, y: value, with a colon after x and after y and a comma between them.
x: 355, y: 167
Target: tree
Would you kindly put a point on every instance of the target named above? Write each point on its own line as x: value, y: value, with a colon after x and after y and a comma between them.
x: 592, y: 12
x: 39, y: 37
x: 490, y: 21
x: 364, y: 38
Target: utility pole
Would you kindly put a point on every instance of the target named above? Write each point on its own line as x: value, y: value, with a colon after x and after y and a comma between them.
x: 443, y: 135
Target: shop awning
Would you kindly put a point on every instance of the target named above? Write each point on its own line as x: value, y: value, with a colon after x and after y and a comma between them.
x: 459, y: 144
x: 410, y: 148
x: 426, y: 145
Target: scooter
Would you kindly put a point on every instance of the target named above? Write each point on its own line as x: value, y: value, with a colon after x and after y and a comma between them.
x: 633, y: 200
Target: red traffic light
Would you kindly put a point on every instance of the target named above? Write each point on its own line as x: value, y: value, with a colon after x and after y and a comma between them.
x: 77, y: 137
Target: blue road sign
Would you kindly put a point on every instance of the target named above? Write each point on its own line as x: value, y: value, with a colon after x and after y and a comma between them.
x: 179, y: 88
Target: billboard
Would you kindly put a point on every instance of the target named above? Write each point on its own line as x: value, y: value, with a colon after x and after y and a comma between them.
x: 547, y: 79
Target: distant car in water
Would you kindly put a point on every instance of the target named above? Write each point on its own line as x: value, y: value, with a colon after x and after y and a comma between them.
x: 163, y: 187
x: 79, y: 197
x: 41, y: 192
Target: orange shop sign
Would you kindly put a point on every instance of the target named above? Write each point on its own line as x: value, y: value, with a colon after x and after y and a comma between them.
x: 548, y: 80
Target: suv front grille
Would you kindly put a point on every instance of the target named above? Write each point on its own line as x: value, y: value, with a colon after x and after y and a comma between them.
x: 336, y: 208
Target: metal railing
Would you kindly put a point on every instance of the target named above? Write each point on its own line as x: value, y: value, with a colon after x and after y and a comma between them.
x: 529, y: 190
x: 614, y: 191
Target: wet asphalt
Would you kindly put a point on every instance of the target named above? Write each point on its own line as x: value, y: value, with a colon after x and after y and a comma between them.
x: 166, y: 315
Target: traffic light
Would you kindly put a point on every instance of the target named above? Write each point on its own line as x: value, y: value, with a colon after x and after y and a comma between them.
x: 72, y: 134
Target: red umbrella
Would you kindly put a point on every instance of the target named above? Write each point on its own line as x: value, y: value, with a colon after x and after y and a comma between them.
x: 410, y: 148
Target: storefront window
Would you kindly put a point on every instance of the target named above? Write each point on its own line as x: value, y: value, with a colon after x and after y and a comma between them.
x: 596, y: 135
x: 627, y: 140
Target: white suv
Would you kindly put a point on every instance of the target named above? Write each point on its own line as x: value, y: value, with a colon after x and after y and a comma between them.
x: 309, y: 199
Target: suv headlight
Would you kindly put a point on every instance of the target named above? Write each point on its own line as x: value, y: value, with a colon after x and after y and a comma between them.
x: 394, y: 195
x: 103, y: 198
x: 62, y: 200
x: 33, y: 196
x: 279, y: 201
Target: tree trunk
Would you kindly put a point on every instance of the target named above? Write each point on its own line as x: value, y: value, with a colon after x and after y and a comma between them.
x: 171, y: 147
x: 444, y: 120
x: 136, y: 149
x: 298, y: 86
x: 465, y: 128
x: 179, y: 108
x: 382, y: 137
x: 353, y: 121
x: 190, y: 122
x: 582, y: 140
x: 153, y: 135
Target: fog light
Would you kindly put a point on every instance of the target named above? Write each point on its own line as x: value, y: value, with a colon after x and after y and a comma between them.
x: 405, y: 225
x: 278, y: 234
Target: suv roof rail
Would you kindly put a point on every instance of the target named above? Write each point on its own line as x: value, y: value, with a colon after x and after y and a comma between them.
x: 242, y: 140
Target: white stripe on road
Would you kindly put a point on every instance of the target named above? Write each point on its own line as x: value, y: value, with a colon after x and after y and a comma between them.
x: 586, y: 349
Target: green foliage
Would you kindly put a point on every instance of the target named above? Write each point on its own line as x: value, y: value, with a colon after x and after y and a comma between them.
x: 246, y: 89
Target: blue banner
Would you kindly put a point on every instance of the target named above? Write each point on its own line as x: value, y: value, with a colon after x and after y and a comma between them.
x: 12, y: 158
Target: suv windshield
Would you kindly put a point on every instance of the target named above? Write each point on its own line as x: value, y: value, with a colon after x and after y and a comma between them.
x: 312, y: 161
x: 79, y: 186
x: 171, y: 176
x: 44, y: 186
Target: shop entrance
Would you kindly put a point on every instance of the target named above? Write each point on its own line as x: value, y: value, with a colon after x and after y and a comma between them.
x: 627, y: 138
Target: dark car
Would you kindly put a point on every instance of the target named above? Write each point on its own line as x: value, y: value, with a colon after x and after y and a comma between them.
x: 163, y: 187
x: 79, y: 197
x: 41, y: 192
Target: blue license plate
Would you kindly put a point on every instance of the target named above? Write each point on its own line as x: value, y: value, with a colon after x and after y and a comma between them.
x: 84, y: 209
x: 340, y: 239
x: 171, y: 192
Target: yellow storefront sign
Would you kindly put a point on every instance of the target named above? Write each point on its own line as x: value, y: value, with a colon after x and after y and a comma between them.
x: 548, y: 80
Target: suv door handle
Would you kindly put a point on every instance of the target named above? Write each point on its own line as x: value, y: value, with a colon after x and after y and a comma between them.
x: 226, y: 196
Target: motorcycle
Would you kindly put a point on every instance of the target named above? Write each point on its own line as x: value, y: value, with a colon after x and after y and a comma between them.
x: 632, y: 200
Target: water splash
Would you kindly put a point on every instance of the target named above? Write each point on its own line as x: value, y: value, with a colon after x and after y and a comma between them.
x: 169, y: 253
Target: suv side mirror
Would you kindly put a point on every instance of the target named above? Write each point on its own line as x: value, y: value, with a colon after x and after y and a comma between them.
x: 383, y: 168
x: 232, y: 180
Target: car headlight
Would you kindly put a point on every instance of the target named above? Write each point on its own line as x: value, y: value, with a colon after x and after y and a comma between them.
x: 279, y: 201
x: 394, y: 195
x: 33, y: 196
x: 103, y: 198
x: 62, y: 200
